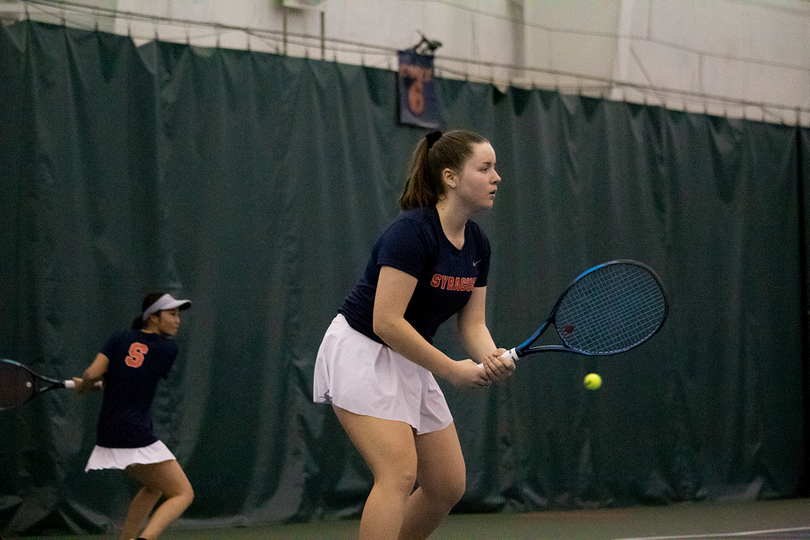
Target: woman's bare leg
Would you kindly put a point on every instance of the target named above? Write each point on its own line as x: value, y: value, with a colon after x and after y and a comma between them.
x: 389, y: 450
x: 442, y: 480
x: 139, y: 510
x: 170, y: 480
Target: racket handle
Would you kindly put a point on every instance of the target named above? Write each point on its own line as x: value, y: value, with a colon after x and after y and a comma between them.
x: 510, y: 354
x: 70, y: 383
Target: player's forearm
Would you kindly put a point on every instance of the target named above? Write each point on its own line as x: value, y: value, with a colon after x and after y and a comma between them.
x: 91, y: 376
x: 95, y: 372
x: 477, y: 340
x: 405, y: 340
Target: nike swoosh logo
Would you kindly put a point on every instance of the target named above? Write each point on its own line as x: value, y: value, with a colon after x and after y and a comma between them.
x: 475, y: 263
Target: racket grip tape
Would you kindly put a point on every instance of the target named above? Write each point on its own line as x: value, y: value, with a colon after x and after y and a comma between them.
x: 506, y: 356
x: 70, y: 383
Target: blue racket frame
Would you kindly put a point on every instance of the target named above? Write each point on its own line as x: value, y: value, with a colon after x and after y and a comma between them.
x: 655, y: 309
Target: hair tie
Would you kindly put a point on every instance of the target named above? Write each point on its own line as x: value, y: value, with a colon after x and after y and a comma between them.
x: 432, y: 137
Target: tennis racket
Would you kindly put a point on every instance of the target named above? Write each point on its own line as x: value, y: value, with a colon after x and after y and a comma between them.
x: 609, y: 309
x: 18, y: 384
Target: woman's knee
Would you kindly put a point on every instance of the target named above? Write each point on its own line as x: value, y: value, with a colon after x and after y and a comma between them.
x: 190, y: 494
x: 151, y: 493
x: 166, y: 478
x: 445, y: 491
x: 181, y: 491
x: 399, y: 476
x: 455, y: 490
x: 187, y: 497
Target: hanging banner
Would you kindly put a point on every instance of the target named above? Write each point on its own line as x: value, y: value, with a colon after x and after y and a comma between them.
x: 418, y: 100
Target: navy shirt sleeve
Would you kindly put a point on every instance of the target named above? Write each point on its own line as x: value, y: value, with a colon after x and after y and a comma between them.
x: 404, y: 246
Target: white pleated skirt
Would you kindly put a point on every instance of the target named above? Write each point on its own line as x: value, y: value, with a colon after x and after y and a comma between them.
x: 120, y: 458
x: 362, y: 376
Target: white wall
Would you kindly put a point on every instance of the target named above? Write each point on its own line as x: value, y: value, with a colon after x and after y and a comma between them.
x: 700, y: 55
x: 756, y: 51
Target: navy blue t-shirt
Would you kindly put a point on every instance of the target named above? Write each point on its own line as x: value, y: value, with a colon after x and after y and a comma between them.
x: 138, y: 360
x: 416, y: 244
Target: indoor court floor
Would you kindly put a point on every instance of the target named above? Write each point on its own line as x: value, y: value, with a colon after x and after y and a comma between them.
x: 785, y: 519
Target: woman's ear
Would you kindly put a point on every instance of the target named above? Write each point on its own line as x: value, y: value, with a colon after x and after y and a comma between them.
x: 449, y: 178
x: 152, y: 320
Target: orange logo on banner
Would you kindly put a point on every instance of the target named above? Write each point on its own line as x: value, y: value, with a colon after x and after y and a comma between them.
x: 418, y: 99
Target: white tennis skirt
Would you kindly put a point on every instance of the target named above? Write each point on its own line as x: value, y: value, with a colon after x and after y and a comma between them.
x: 365, y: 377
x: 121, y: 458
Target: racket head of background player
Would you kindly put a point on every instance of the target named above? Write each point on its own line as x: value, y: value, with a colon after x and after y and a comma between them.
x: 18, y: 384
x: 609, y: 309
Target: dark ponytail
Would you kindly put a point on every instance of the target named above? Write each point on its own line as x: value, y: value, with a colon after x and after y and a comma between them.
x: 138, y: 322
x: 432, y: 155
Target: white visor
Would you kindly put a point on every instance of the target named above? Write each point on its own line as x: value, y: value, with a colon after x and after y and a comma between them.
x: 166, y: 301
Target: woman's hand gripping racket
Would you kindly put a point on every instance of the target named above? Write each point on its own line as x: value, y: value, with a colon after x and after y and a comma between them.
x: 609, y: 309
x: 18, y: 384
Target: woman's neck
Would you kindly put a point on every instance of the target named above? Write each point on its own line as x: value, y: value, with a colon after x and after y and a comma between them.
x: 453, y: 220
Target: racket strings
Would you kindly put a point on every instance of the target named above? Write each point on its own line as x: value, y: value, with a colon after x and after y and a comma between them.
x: 17, y: 385
x: 612, y: 309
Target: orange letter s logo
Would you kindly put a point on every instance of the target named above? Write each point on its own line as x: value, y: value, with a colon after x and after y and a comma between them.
x: 136, y: 352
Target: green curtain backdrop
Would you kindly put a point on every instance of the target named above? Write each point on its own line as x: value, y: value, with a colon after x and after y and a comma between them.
x: 255, y: 184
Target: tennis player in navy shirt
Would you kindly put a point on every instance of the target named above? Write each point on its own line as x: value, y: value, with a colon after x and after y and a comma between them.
x: 376, y: 363
x: 131, y: 363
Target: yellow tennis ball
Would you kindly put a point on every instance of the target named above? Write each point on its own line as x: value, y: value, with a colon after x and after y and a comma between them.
x: 592, y: 381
